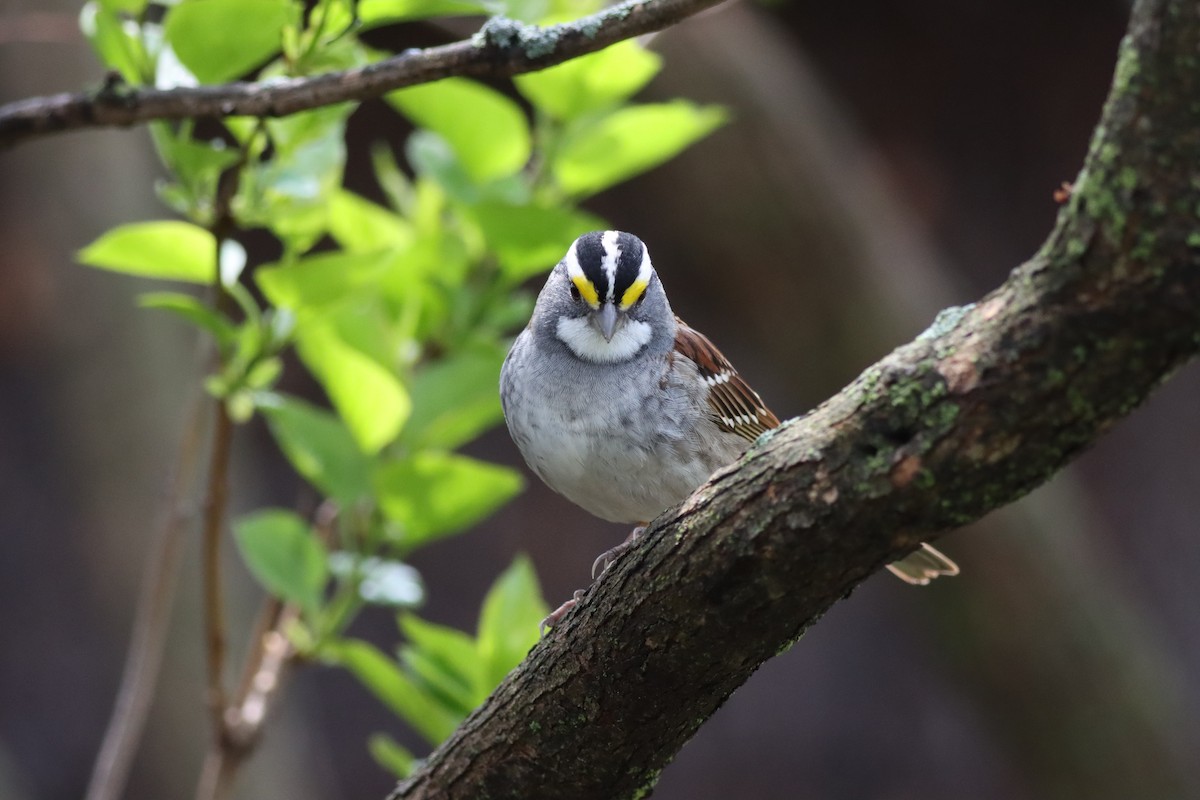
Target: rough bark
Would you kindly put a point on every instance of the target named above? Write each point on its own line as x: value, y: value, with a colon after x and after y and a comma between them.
x: 503, y: 47
x: 985, y: 405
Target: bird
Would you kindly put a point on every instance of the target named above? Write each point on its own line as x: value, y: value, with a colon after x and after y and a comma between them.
x: 624, y: 409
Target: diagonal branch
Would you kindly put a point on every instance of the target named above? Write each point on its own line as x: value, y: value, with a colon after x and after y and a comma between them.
x: 502, y: 48
x: 988, y: 403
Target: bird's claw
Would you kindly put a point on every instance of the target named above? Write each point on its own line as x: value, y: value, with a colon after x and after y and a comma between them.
x: 606, y: 559
x: 555, y: 616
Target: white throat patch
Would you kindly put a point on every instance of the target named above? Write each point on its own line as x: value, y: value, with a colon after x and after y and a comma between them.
x: 587, y: 343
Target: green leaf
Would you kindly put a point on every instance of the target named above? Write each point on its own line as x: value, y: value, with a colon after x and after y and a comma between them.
x: 289, y: 192
x: 284, y: 555
x: 384, y: 678
x: 359, y: 225
x: 547, y: 12
x: 508, y: 625
x: 486, y: 130
x: 385, y: 12
x: 320, y: 281
x: 588, y: 83
x: 453, y: 649
x: 528, y: 240
x: 319, y: 446
x: 455, y: 399
x: 196, y: 164
x: 432, y: 494
x: 195, y: 311
x: 170, y: 250
x: 433, y: 158
x: 630, y: 141
x: 449, y: 657
x: 128, y: 6
x: 391, y: 755
x: 367, y: 395
x: 116, y: 41
x: 219, y: 40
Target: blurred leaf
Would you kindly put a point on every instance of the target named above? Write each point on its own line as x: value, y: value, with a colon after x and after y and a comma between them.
x: 319, y: 446
x: 630, y: 141
x: 289, y: 193
x: 486, y: 130
x: 508, y: 625
x: 384, y: 12
x: 511, y: 312
x: 384, y: 678
x: 433, y: 158
x: 391, y: 755
x: 219, y: 40
x: 590, y: 82
x: 432, y: 494
x: 368, y: 396
x: 548, y: 11
x: 359, y: 225
x: 282, y: 552
x: 395, y: 184
x: 195, y: 311
x: 528, y: 240
x: 455, y: 399
x: 115, y: 40
x: 319, y: 281
x: 196, y: 165
x: 334, y: 54
x: 263, y: 374
x: 128, y: 6
x: 168, y: 249
x: 382, y: 581
x: 444, y: 685
x: 453, y: 652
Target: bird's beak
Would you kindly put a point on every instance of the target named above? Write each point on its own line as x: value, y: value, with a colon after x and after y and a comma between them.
x: 606, y: 320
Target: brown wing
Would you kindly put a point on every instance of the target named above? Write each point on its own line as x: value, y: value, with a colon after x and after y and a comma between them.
x: 735, y: 406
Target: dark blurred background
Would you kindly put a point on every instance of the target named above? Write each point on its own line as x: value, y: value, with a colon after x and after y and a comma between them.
x: 885, y: 160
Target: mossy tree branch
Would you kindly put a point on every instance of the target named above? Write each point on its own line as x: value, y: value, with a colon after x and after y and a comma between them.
x: 502, y: 48
x: 988, y: 403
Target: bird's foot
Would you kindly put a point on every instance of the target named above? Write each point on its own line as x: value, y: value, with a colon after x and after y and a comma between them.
x: 606, y: 559
x: 555, y: 616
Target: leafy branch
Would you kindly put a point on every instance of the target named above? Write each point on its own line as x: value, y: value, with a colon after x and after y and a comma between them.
x: 988, y: 403
x: 502, y: 48
x: 398, y: 311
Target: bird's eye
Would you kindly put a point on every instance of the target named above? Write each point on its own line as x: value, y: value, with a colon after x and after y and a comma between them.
x: 575, y: 293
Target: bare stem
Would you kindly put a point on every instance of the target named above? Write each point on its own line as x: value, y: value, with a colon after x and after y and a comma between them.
x: 267, y: 665
x: 271, y: 655
x: 215, y: 502
x: 155, y: 601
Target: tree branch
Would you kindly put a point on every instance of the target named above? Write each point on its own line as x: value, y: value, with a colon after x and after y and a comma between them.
x: 988, y: 403
x: 501, y: 48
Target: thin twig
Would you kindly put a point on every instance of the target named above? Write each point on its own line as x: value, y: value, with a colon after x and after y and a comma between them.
x: 502, y: 48
x: 215, y: 503
x: 271, y: 657
x: 155, y: 601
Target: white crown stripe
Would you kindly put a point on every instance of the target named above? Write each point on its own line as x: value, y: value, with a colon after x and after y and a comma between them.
x: 612, y: 253
x: 572, y: 259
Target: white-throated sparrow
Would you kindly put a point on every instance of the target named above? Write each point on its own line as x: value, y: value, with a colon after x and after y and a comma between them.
x: 622, y: 408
